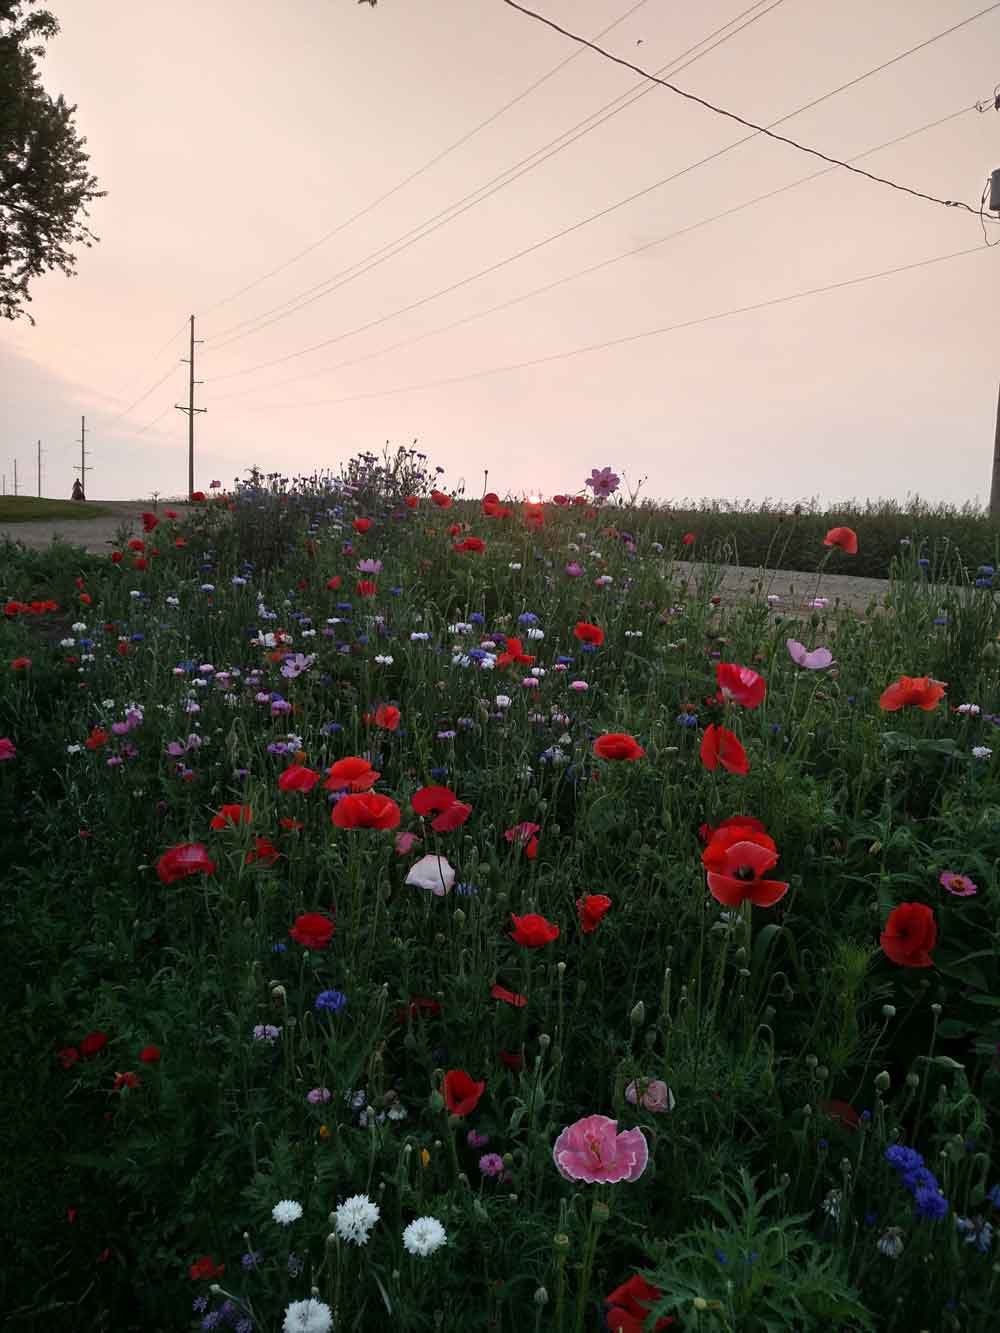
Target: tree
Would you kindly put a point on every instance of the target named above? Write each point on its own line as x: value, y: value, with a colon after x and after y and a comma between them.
x: 45, y: 184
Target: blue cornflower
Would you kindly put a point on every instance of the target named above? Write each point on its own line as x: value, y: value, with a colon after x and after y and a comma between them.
x: 362, y: 638
x: 977, y: 1231
x: 994, y: 1196
x: 564, y: 661
x: 439, y: 774
x: 984, y: 583
x: 940, y: 620
x: 588, y: 647
x: 903, y: 1159
x: 923, y: 562
x: 687, y: 719
x: 931, y: 1204
x: 331, y: 1000
x: 212, y: 1320
x: 396, y: 592
x: 919, y: 1178
x: 199, y: 1304
x: 871, y: 1219
x: 527, y: 618
x: 280, y: 947
x: 345, y: 606
x: 467, y: 890
x: 720, y: 1255
x: 244, y: 1326
x: 866, y: 1116
x: 986, y: 570
x: 252, y: 1259
x: 477, y: 618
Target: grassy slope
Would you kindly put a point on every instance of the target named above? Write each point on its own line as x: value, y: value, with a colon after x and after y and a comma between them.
x: 29, y: 509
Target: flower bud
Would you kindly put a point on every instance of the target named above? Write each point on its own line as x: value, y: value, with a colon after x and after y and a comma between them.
x: 561, y: 1241
x: 700, y: 1303
x: 936, y: 1010
x: 544, y: 1040
x: 600, y: 1212
x: 459, y: 917
x: 541, y: 1296
x: 888, y: 1011
x: 882, y: 1081
x: 638, y: 1015
x: 913, y: 1080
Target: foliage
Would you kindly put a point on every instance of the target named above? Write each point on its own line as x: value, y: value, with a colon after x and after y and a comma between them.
x: 795, y: 1051
x: 45, y: 184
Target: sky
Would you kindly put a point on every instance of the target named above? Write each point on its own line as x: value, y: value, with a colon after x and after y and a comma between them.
x: 231, y: 137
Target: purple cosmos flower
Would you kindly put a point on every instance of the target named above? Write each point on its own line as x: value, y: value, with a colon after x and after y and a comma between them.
x: 491, y: 1164
x: 603, y: 482
x: 960, y: 885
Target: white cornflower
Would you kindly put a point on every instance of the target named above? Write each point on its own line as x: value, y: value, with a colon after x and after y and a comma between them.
x: 355, y: 1218
x: 286, y: 1211
x: 310, y: 1316
x: 890, y: 1243
x: 535, y: 633
x: 208, y: 587
x: 73, y: 749
x: 461, y: 660
x: 173, y: 601
x: 66, y: 643
x: 238, y: 581
x: 397, y: 1112
x: 460, y: 627
x: 502, y: 701
x: 515, y: 565
x: 80, y: 628
x: 419, y: 636
x: 831, y: 1204
x: 384, y: 659
x: 633, y: 634
x: 981, y: 752
x: 972, y: 710
x: 107, y: 703
x: 488, y: 663
x: 603, y: 580
x: 424, y: 1236
x: 773, y: 598
x: 538, y: 671
x: 135, y: 593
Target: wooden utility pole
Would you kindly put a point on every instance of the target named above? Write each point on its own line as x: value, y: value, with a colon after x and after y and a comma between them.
x: 15, y: 476
x: 39, y: 469
x: 191, y: 409
x: 995, y: 487
x: 83, y: 467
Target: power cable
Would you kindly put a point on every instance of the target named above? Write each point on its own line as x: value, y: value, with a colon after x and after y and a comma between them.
x: 602, y: 264
x: 483, y: 192
x: 624, y: 340
x: 576, y: 226
x: 431, y: 162
x: 759, y: 129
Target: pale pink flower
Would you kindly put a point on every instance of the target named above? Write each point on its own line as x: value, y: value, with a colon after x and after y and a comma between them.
x: 594, y: 1151
x: 574, y: 570
x: 816, y: 660
x: 960, y: 885
x: 656, y: 1096
x: 580, y: 685
x: 405, y: 842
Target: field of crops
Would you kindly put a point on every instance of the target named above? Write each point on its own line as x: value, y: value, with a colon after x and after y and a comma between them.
x: 427, y: 914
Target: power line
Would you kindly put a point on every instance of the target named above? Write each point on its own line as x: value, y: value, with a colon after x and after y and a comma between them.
x: 491, y: 187
x: 584, y: 222
x: 431, y: 162
x: 153, y: 387
x: 625, y: 339
x: 601, y: 264
x: 149, y: 424
x: 741, y: 120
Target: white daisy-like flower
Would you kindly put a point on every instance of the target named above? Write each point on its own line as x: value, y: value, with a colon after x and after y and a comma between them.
x: 981, y: 752
x: 972, y: 710
x: 310, y: 1316
x: 80, y: 628
x: 424, y: 1236
x: 419, y: 636
x: 208, y: 587
x: 66, y: 643
x: 173, y: 601
x: 286, y: 1211
x: 355, y: 1218
x: 514, y: 565
x: 384, y: 659
x: 503, y: 701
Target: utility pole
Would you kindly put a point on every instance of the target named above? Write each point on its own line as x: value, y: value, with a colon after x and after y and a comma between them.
x: 83, y: 467
x: 15, y: 476
x: 39, y: 469
x: 191, y: 409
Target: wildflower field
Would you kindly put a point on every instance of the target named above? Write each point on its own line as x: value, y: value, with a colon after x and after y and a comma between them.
x: 429, y: 914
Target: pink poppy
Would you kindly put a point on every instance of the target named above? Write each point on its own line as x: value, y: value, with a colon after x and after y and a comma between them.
x: 8, y: 750
x: 816, y: 660
x: 405, y: 842
x: 960, y: 885
x: 594, y: 1151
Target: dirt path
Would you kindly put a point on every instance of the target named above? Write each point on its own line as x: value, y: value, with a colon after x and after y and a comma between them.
x: 738, y: 584
x: 93, y: 534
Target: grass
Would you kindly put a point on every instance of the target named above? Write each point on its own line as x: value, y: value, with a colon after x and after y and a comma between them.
x: 796, y: 1049
x: 31, y: 509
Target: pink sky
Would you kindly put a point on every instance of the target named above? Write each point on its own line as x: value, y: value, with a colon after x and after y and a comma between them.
x: 231, y: 136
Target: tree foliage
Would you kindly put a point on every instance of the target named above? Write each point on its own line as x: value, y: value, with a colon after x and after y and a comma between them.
x: 45, y: 183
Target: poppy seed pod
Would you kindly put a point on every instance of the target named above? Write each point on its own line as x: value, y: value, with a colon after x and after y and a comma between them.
x: 882, y: 1081
x: 638, y: 1015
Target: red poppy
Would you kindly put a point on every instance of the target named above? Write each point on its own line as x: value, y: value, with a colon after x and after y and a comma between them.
x: 123, y: 650
x: 461, y: 1093
x: 188, y: 858
x: 441, y: 500
x: 149, y: 522
x: 92, y: 1043
x: 232, y: 814
x: 264, y: 851
x: 136, y: 544
x: 96, y: 739
x: 843, y: 1112
x: 513, y: 653
x: 592, y: 908
x: 618, y: 745
x: 418, y: 1006
x: 514, y: 1060
x: 523, y: 835
x: 297, y: 777
x: 366, y: 588
x: 915, y: 691
x: 450, y: 813
x: 150, y: 1055
x: 533, y: 930
x: 720, y: 746
x: 454, y: 529
x: 170, y: 513
x: 387, y: 717
x: 728, y: 834
x: 351, y: 774
x: 334, y: 583
x: 474, y: 544
x: 411, y: 502
x: 845, y: 538
x: 205, y: 1269
x: 707, y: 832
x: 491, y: 504
x: 20, y: 664
x: 313, y: 930
x: 127, y: 1080
x: 910, y: 934
x: 291, y: 824
x: 687, y: 539
x: 534, y: 516
x: 366, y: 810
x: 629, y: 1306
x: 116, y: 557
x: 560, y: 499
x: 68, y: 1056
x: 361, y: 524
x: 510, y: 997
x: 197, y: 495
x: 739, y: 880
x: 86, y: 598
x: 588, y: 633
x: 739, y: 685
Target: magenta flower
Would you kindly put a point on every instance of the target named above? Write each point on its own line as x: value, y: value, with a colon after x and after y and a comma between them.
x: 817, y: 660
x: 491, y: 1164
x: 960, y: 885
x: 594, y: 1151
x: 574, y: 570
x: 316, y: 1096
x: 370, y: 566
x: 8, y: 750
x: 603, y: 482
x: 404, y: 842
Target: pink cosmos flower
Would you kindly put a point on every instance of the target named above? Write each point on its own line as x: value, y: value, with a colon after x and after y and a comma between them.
x: 817, y: 660
x: 8, y: 750
x: 405, y: 842
x: 370, y: 566
x: 960, y: 885
x: 574, y: 570
x: 594, y: 1151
